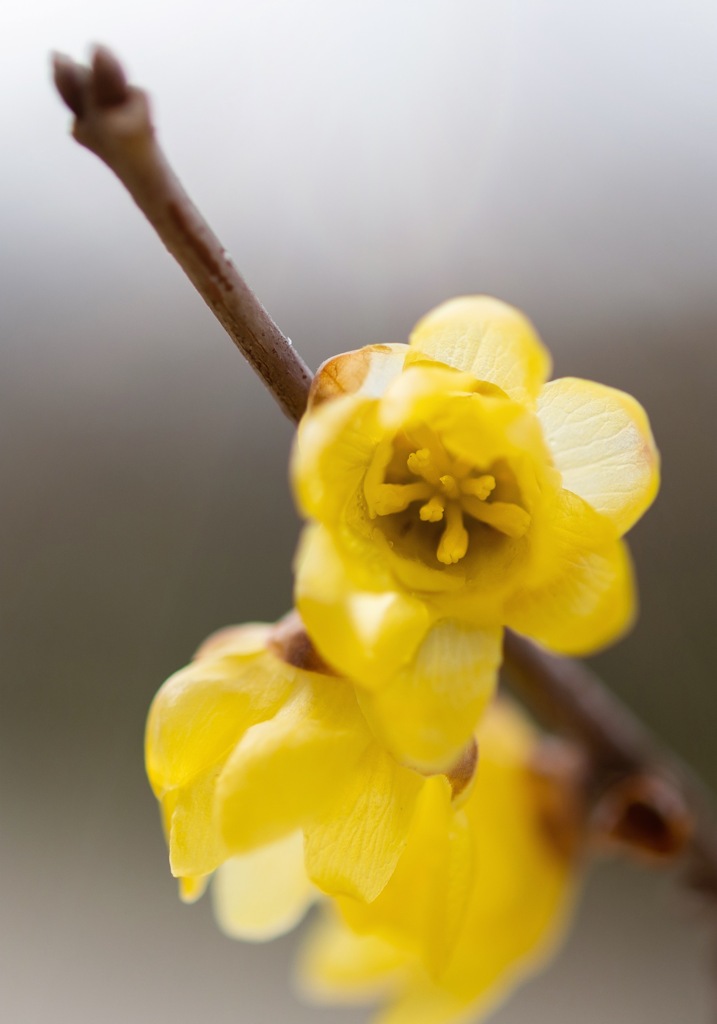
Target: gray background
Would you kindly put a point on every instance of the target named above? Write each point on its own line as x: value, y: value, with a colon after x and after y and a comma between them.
x: 362, y: 161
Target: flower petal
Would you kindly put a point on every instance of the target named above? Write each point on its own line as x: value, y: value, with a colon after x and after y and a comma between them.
x: 360, y: 622
x: 365, y: 371
x: 489, y: 339
x: 603, y: 446
x: 334, y: 447
x: 353, y: 845
x: 202, y: 710
x: 195, y: 846
x: 589, y: 600
x: 339, y: 966
x: 265, y: 893
x: 428, y: 712
x: 284, y: 770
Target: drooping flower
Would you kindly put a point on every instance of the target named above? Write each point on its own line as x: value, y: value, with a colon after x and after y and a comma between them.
x: 451, y: 490
x: 259, y: 754
x: 479, y: 899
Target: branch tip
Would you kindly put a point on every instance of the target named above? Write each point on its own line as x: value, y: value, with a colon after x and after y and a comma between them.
x: 109, y: 82
x: 70, y: 81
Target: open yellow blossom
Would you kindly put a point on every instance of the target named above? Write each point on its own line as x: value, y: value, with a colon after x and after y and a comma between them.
x: 259, y: 755
x: 479, y: 898
x: 452, y: 491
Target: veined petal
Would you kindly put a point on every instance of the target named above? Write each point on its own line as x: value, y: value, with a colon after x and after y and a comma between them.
x: 488, y: 339
x: 283, y: 770
x: 590, y: 598
x: 354, y: 843
x: 603, y: 446
x: 195, y: 846
x: 202, y: 710
x: 421, y: 910
x: 265, y: 893
x: 428, y: 712
x: 360, y: 622
x: 365, y: 371
x: 334, y: 447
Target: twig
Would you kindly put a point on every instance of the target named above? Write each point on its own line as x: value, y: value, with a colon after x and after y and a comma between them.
x: 645, y: 798
x: 112, y: 119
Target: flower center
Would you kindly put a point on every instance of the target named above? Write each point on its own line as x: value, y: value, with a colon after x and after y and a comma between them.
x: 418, y: 469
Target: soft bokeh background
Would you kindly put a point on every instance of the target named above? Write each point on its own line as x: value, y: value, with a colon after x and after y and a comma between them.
x: 362, y: 161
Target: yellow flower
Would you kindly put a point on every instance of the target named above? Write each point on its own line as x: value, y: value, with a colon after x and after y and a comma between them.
x: 261, y: 756
x: 478, y: 901
x: 452, y: 493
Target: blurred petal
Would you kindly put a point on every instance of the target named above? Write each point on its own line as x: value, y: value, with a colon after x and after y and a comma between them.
x: 363, y: 626
x: 589, y: 600
x: 284, y: 770
x: 338, y: 966
x: 265, y: 893
x: 427, y: 714
x: 353, y: 845
x: 488, y: 339
x: 603, y: 446
x: 192, y: 888
x: 365, y: 371
x: 422, y: 908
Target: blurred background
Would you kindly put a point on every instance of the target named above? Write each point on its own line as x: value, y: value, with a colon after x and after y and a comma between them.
x: 362, y: 161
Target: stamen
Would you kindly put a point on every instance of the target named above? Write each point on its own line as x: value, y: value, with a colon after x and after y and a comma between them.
x: 449, y: 485
x: 454, y: 542
x: 480, y: 487
x: 432, y: 511
x: 390, y: 498
x: 512, y: 520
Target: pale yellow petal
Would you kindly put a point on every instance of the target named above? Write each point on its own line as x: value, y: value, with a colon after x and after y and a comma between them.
x: 354, y: 843
x: 603, y: 446
x: 239, y: 641
x: 195, y: 845
x: 334, y: 447
x: 361, y: 623
x: 283, y: 770
x: 263, y: 894
x: 336, y: 965
x: 366, y: 371
x: 202, y: 710
x: 589, y: 600
x: 193, y: 887
x: 488, y: 339
x: 428, y: 712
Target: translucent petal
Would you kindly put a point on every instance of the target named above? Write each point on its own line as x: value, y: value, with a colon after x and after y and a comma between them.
x: 193, y: 887
x: 366, y: 371
x: 195, y: 845
x: 488, y: 339
x: 265, y: 893
x: 428, y: 712
x: 603, y: 446
x: 202, y: 710
x: 339, y: 966
x: 360, y: 621
x: 589, y: 600
x: 354, y: 843
x: 334, y: 447
x: 423, y: 906
x: 284, y: 770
